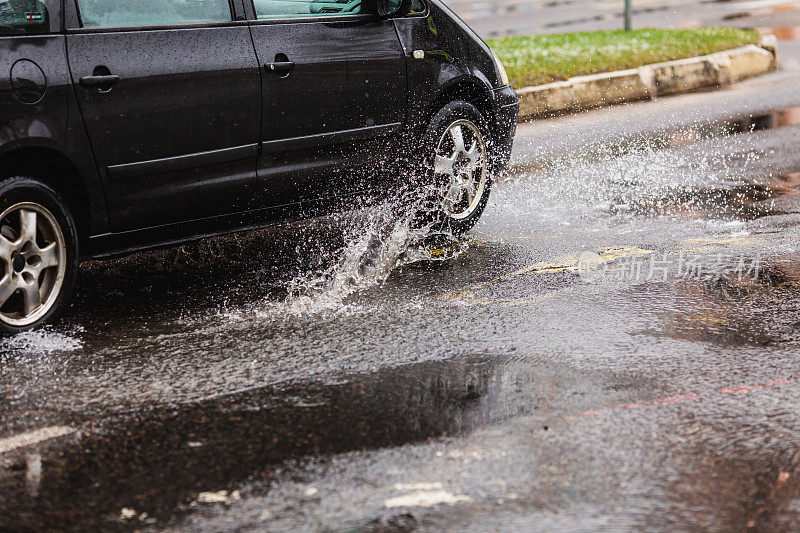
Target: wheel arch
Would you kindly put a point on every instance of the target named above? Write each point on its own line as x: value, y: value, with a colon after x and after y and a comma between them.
x: 469, y: 89
x: 40, y: 161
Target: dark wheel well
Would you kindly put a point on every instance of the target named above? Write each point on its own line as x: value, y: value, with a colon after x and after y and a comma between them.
x: 58, y: 172
x: 470, y: 91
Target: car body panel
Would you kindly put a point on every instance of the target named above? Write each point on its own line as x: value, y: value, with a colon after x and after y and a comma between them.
x: 50, y: 124
x: 333, y: 113
x: 441, y: 64
x: 43, y: 122
x: 248, y: 173
x: 454, y: 61
x: 176, y: 139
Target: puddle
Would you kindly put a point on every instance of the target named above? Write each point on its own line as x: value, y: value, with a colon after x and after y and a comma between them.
x: 776, y: 119
x: 157, y: 461
x: 783, y: 33
x: 741, y: 124
x: 776, y: 195
x: 753, y: 308
x: 669, y: 137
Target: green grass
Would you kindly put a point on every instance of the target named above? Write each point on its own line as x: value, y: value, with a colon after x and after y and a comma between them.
x: 538, y: 59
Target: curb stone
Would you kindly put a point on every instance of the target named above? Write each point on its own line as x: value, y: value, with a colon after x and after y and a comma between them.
x: 650, y: 81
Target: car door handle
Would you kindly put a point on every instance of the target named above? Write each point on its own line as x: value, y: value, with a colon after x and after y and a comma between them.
x: 280, y: 67
x: 100, y: 81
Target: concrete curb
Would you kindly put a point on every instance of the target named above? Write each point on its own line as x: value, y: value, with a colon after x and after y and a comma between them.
x: 650, y: 81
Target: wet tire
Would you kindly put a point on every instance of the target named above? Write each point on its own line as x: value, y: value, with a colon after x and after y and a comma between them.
x: 38, y: 254
x: 445, y: 160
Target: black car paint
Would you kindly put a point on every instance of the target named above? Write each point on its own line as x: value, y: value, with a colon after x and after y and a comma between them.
x: 176, y: 139
x: 196, y: 172
x: 353, y: 67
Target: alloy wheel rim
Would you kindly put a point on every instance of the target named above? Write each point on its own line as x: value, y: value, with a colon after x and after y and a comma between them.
x: 461, y: 160
x: 32, y: 263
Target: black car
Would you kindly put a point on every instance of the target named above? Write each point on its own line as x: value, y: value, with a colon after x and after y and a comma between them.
x: 126, y: 125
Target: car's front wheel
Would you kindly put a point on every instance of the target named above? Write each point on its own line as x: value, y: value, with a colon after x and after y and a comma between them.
x: 458, y: 161
x: 38, y: 254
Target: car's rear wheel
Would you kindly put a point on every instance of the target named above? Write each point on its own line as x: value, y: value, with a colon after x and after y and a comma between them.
x: 38, y: 254
x: 457, y: 161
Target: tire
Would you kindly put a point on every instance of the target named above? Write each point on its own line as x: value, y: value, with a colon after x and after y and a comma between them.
x: 446, y: 163
x: 42, y: 262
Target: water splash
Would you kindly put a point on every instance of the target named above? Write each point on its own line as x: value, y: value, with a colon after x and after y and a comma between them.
x: 368, y: 258
x: 626, y: 185
x: 40, y: 342
x: 614, y: 187
x: 377, y: 242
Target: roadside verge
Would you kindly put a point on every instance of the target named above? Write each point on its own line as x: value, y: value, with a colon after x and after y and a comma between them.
x: 649, y: 81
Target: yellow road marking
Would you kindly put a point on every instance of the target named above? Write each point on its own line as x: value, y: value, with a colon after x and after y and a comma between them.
x: 726, y: 241
x: 571, y: 263
x: 565, y: 264
x: 700, y: 318
x: 713, y: 245
x: 452, y: 248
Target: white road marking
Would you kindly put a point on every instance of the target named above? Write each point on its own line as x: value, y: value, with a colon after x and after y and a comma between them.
x: 33, y: 476
x: 34, y: 437
x: 222, y: 496
x: 756, y: 4
x: 426, y: 499
x: 418, y: 486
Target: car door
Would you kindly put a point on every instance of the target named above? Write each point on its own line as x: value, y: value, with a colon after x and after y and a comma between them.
x: 170, y: 95
x: 334, y: 91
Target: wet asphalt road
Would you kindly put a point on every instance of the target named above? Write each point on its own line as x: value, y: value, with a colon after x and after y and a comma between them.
x: 337, y: 375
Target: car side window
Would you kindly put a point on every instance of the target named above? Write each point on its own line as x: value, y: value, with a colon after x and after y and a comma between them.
x: 19, y: 17
x: 125, y: 13
x: 277, y: 9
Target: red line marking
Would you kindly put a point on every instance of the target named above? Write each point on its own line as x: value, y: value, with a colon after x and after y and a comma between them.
x: 734, y: 389
x: 783, y: 477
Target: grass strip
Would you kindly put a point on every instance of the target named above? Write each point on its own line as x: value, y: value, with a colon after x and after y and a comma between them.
x: 539, y: 59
